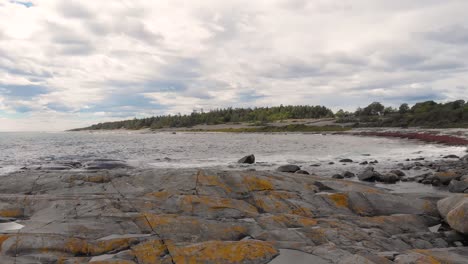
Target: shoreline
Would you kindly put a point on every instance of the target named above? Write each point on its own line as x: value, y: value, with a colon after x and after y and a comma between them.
x: 111, y: 212
x: 451, y: 137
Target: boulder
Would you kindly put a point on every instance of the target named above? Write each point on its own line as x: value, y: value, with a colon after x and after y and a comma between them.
x: 388, y: 178
x: 398, y: 173
x: 250, y: 159
x: 364, y: 163
x: 288, y: 168
x: 464, y: 159
x: 346, y: 160
x: 338, y: 176
x: 446, y: 176
x: 302, y: 172
x: 454, y: 210
x: 456, y: 186
x: 369, y: 174
x: 348, y: 174
x: 451, y: 157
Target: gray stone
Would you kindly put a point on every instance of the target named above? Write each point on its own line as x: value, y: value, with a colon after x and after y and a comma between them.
x: 250, y: 159
x: 388, y: 178
x: 369, y: 174
x: 454, y: 210
x: 288, y: 168
x: 456, y: 186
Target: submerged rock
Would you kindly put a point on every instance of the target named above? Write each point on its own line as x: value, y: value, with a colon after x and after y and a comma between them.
x: 288, y: 168
x: 106, y: 164
x: 348, y: 174
x: 346, y: 160
x: 302, y: 172
x: 250, y: 159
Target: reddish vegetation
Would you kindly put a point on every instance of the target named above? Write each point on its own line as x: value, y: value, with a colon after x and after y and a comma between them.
x: 442, y: 139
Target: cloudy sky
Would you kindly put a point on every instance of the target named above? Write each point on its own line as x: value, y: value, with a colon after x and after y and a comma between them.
x: 66, y: 64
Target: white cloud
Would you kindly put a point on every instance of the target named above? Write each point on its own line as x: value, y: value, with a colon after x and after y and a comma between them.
x: 90, y: 61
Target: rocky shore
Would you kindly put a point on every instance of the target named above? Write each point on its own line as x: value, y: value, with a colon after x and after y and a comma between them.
x: 108, y: 212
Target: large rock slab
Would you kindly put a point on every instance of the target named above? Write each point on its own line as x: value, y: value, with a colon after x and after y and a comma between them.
x: 129, y: 215
x: 454, y: 209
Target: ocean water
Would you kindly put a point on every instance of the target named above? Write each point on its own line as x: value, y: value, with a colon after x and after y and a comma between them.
x: 221, y: 150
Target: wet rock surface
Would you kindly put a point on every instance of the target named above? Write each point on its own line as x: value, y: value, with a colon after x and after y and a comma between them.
x: 127, y: 215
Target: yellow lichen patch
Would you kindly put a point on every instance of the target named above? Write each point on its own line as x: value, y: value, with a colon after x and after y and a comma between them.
x: 317, y: 235
x: 256, y: 184
x: 340, y: 199
x: 269, y: 204
x: 446, y: 174
x: 225, y: 252
x: 15, y: 212
x: 236, y: 229
x: 300, y: 210
x: 427, y: 258
x: 428, y: 206
x: 212, y: 180
x: 2, y: 239
x: 104, y: 246
x: 76, y: 246
x: 216, y: 203
x: 284, y: 195
x: 150, y: 252
x: 307, y: 221
x: 289, y: 220
x: 98, y: 178
x: 156, y: 220
x: 158, y: 195
x: 114, y: 262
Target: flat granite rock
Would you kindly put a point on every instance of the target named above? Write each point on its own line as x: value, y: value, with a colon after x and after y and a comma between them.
x: 129, y: 215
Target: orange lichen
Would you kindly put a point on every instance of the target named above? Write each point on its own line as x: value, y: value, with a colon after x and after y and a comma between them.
x: 212, y: 180
x: 104, y: 246
x: 2, y: 239
x: 340, y: 199
x: 444, y: 174
x: 290, y: 220
x: 76, y: 246
x: 427, y: 258
x: 216, y: 203
x: 15, y: 212
x: 114, y: 262
x: 300, y: 210
x: 225, y: 252
x: 256, y: 184
x: 307, y: 221
x: 159, y: 195
x: 150, y: 252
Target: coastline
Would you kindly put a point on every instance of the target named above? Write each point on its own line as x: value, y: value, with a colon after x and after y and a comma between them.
x: 110, y: 212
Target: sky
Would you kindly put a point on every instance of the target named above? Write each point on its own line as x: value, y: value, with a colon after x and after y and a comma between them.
x: 67, y: 64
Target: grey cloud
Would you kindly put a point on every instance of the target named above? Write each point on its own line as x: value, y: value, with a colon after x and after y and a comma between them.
x: 456, y: 35
x: 68, y: 40
x: 73, y: 9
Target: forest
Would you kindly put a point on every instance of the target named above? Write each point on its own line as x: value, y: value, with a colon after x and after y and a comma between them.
x: 424, y: 114
x: 427, y: 114
x: 259, y: 115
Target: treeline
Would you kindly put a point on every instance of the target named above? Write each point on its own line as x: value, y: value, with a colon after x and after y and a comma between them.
x: 424, y: 114
x: 258, y: 115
